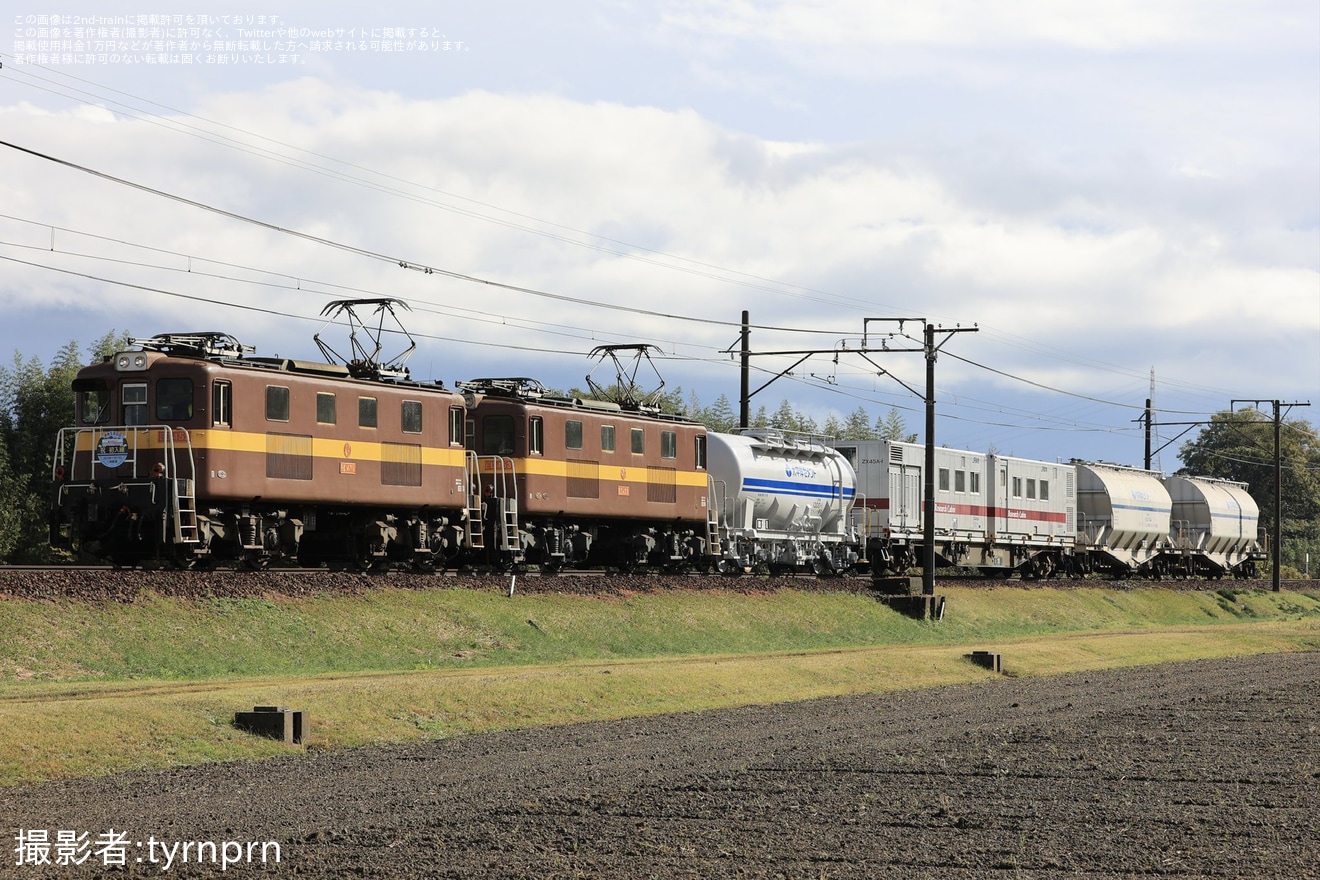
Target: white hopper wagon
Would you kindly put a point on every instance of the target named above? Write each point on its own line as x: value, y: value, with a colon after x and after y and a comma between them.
x: 1215, y: 527
x: 1123, y: 519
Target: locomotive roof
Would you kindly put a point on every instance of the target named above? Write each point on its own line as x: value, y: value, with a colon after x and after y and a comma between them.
x: 226, y: 350
x: 527, y: 390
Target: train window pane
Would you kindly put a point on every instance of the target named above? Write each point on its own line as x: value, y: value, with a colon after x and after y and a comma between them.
x: 94, y: 405
x: 135, y: 403
x: 410, y: 416
x: 976, y: 483
x: 572, y: 434
x: 1017, y: 487
x: 536, y: 435
x: 960, y: 481
x: 277, y: 403
x: 638, y: 441
x: 701, y: 451
x: 1031, y: 488
x: 668, y: 444
x: 1044, y: 490
x: 456, y: 424
x: 497, y: 435
x: 174, y: 400
x: 607, y: 438
x: 327, y: 412
x: 366, y: 412
x: 222, y: 404
x: 944, y: 479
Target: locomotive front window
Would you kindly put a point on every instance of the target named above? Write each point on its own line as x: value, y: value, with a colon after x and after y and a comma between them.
x: 410, y: 416
x: 277, y: 403
x: 638, y: 441
x: 94, y: 404
x: 135, y: 403
x: 327, y: 410
x: 174, y: 400
x: 497, y: 435
x: 572, y: 434
x: 366, y: 412
x: 668, y: 444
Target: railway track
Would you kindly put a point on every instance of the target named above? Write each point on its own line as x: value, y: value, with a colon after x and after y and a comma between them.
x: 104, y: 582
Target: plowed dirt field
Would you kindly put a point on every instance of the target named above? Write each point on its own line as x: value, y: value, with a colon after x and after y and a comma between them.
x: 1208, y: 769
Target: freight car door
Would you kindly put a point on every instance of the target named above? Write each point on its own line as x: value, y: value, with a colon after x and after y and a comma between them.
x: 905, y: 497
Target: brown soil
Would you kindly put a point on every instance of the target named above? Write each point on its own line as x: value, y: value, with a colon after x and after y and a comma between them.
x: 1208, y: 769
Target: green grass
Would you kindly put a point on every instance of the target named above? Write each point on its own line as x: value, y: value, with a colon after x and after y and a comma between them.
x: 91, y: 688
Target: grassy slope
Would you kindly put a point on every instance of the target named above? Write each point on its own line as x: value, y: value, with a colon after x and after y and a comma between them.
x: 94, y: 688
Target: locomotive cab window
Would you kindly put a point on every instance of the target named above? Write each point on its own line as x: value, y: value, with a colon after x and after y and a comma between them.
x: 606, y: 438
x: 93, y: 401
x: 536, y: 435
x: 700, y: 450
x: 326, y: 408
x: 638, y: 441
x: 668, y: 444
x: 277, y: 403
x: 410, y: 416
x: 134, y: 396
x: 497, y: 435
x: 174, y: 400
x: 222, y: 404
x: 455, y: 425
x: 572, y: 434
x: 366, y: 412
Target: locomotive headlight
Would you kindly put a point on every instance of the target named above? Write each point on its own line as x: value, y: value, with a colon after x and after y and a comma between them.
x: 130, y: 361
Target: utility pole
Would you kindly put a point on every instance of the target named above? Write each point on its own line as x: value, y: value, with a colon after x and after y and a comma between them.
x: 1276, y: 540
x: 927, y: 346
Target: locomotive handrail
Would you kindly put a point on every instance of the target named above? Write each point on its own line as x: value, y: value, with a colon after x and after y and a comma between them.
x: 66, y: 450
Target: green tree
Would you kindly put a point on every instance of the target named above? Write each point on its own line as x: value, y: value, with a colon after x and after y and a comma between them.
x: 892, y: 427
x: 719, y: 416
x: 35, y: 402
x: 1239, y: 445
x: 858, y: 426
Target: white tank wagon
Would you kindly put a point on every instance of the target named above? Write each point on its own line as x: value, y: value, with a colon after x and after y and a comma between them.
x: 1215, y: 527
x: 1124, y: 515
x: 781, y: 501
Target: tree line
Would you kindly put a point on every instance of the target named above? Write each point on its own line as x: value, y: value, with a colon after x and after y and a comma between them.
x: 36, y: 400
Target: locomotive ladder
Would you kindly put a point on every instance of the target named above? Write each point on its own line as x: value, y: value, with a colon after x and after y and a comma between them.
x: 476, y: 526
x: 712, y: 519
x: 185, y: 511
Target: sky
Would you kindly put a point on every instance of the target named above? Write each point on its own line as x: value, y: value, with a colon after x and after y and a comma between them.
x: 1110, y: 201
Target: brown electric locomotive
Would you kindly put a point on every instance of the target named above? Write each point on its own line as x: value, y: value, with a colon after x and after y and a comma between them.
x: 188, y: 450
x: 572, y: 482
